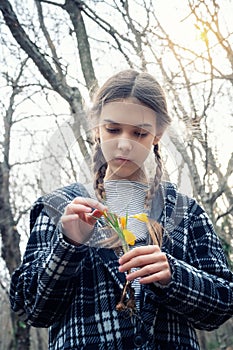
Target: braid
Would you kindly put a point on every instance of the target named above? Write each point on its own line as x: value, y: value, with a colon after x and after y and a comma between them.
x: 154, y: 228
x: 99, y: 168
x: 157, y: 179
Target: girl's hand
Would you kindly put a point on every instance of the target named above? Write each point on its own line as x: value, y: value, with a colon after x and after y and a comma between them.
x: 78, y: 221
x: 152, y: 263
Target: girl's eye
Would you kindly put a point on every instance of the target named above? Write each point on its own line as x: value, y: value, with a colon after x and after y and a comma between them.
x: 141, y: 133
x: 112, y: 130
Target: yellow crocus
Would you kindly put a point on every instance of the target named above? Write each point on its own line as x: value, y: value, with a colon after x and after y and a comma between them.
x: 129, y: 237
x: 123, y: 222
x: 141, y: 217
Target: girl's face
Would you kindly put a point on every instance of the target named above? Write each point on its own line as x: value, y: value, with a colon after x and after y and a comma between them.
x: 127, y: 132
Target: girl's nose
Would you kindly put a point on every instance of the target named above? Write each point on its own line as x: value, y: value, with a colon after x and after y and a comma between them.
x: 124, y: 144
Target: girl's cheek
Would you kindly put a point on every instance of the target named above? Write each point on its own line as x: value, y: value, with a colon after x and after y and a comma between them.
x: 142, y: 151
x: 107, y: 150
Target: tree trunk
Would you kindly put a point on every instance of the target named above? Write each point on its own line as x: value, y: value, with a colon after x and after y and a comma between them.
x: 11, y: 255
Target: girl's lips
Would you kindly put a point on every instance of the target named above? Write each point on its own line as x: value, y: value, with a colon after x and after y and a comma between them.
x: 119, y: 160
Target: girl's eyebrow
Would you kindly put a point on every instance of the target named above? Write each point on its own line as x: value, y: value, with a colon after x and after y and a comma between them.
x: 144, y: 125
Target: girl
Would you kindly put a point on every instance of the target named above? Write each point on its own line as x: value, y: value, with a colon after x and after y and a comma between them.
x: 72, y: 276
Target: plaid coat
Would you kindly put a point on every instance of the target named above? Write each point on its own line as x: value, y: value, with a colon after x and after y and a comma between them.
x: 73, y: 290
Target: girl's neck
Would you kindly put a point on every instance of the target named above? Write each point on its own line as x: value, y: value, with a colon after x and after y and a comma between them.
x: 138, y: 176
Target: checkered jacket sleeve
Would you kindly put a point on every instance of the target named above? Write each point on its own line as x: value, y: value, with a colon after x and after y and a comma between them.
x: 41, y: 288
x: 202, y: 283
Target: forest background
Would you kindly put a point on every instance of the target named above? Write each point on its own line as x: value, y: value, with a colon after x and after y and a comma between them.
x: 53, y: 54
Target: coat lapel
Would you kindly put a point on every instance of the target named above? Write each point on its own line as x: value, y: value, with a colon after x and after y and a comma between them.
x: 110, y: 260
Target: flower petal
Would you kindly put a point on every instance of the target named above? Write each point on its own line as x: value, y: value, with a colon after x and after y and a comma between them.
x: 129, y: 237
x: 123, y: 222
x: 141, y: 217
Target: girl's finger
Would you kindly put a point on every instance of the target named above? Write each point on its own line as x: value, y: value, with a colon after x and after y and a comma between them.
x: 69, y: 218
x: 89, y: 202
x: 139, y: 251
x: 143, y: 260
x: 76, y: 209
x: 148, y: 270
x: 163, y: 277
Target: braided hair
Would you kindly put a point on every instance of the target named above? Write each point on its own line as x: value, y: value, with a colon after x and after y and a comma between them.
x: 99, y: 169
x: 157, y: 178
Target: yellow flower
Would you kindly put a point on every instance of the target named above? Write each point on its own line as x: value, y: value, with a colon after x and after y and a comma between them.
x: 123, y: 222
x: 129, y: 237
x: 141, y: 217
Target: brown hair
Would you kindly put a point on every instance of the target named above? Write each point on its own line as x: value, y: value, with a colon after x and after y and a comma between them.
x: 145, y: 88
